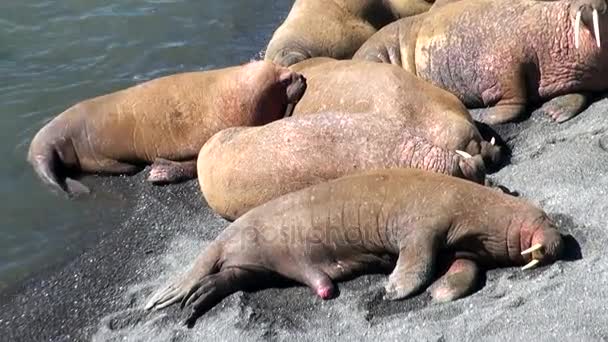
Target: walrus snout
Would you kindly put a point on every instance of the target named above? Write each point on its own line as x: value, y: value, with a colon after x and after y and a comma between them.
x: 546, y: 246
x: 492, y: 153
x: 589, y: 12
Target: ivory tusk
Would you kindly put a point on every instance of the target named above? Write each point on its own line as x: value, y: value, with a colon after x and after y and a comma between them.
x: 532, y: 249
x: 531, y: 264
x: 464, y: 154
x: 596, y: 27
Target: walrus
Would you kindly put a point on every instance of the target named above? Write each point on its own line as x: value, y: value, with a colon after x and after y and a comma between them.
x: 164, y: 121
x: 334, y: 28
x: 506, y: 54
x: 348, y: 86
x: 241, y: 168
x: 362, y: 223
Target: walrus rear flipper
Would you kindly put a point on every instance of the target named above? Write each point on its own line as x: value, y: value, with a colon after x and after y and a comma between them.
x: 212, y: 278
x: 76, y: 188
x: 50, y: 169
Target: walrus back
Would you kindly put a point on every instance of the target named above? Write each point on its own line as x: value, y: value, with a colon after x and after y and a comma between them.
x: 393, y: 44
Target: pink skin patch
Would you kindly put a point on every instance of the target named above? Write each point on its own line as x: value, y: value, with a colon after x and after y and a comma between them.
x: 325, y: 292
x: 442, y: 294
x: 457, y: 266
x: 158, y: 174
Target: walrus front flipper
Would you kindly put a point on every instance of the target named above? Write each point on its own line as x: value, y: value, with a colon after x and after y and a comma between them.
x: 170, y: 172
x: 76, y: 188
x: 459, y: 280
x: 415, y: 265
x: 565, y: 107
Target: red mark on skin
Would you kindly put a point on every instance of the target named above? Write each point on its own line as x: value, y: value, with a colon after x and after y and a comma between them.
x: 325, y: 292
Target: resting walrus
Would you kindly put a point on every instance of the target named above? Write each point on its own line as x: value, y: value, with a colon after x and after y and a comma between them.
x: 505, y: 54
x: 342, y: 228
x: 366, y: 87
x: 165, y: 121
x: 334, y: 28
x: 240, y: 168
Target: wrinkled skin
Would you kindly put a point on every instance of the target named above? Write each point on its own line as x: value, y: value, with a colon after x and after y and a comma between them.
x: 366, y: 87
x: 165, y: 121
x: 241, y: 168
x: 334, y: 28
x: 363, y: 223
x: 506, y: 54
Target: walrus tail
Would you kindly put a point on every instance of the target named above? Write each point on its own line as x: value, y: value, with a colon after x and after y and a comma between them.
x: 49, y: 166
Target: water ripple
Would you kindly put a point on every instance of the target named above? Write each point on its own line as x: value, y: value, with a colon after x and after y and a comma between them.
x: 54, y: 53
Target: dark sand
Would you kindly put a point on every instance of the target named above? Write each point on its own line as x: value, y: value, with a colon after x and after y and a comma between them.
x: 100, y: 294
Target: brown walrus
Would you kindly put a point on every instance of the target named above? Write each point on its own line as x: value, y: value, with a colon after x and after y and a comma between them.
x: 342, y: 228
x: 334, y: 28
x: 240, y: 168
x: 366, y: 87
x: 165, y: 121
x: 505, y: 54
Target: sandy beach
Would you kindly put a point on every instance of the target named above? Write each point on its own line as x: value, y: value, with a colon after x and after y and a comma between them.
x: 100, y: 294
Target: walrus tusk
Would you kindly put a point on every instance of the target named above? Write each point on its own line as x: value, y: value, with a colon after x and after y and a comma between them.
x: 493, y: 141
x: 577, y: 28
x: 289, y: 110
x: 464, y: 154
x: 532, y: 249
x: 531, y: 264
x: 596, y: 27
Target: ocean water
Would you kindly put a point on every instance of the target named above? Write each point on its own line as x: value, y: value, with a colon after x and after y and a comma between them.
x: 56, y: 53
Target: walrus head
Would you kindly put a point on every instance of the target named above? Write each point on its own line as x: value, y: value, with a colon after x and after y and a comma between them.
x: 295, y: 86
x: 545, y: 246
x: 588, y: 12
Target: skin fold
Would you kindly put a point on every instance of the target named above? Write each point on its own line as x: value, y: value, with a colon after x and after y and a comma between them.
x: 164, y: 121
x: 334, y: 28
x: 502, y: 54
x: 404, y: 220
